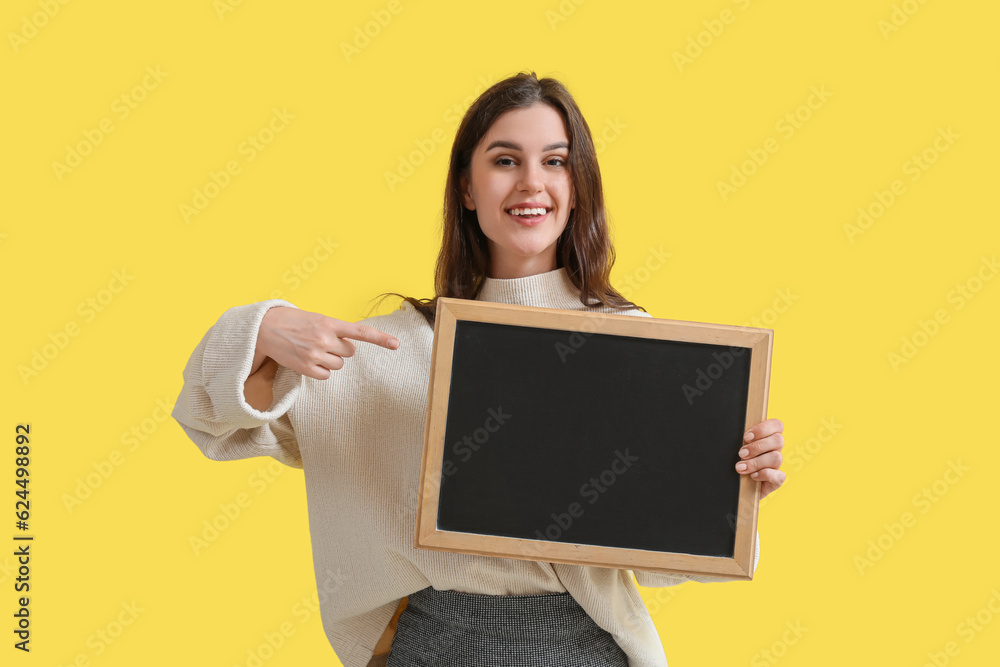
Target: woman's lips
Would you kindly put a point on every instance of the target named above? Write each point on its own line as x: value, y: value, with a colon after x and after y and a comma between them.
x: 529, y: 221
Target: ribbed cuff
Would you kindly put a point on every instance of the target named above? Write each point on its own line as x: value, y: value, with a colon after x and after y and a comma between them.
x: 227, y: 361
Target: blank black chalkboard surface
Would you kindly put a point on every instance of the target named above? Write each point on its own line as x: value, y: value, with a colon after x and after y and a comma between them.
x: 593, y: 439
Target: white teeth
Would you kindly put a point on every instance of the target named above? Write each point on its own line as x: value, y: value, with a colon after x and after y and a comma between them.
x: 527, y: 211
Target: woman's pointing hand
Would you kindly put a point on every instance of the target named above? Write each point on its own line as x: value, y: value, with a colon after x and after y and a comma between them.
x: 310, y: 343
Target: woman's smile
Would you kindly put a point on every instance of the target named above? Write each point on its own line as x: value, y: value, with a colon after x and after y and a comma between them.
x: 529, y: 215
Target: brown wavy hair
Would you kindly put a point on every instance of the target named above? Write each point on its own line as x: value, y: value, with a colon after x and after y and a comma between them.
x: 584, y: 248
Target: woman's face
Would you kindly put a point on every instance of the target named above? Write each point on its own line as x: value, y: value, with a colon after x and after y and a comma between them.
x: 521, y: 163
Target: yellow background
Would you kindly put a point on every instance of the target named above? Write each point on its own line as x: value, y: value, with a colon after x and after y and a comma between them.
x: 680, y: 129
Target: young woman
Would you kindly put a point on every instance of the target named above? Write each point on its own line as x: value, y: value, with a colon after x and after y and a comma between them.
x: 524, y: 223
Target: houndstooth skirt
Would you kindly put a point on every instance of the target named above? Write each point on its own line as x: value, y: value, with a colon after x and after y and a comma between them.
x: 448, y: 628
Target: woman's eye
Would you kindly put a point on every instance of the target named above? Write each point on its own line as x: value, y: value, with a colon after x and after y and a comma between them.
x: 554, y: 161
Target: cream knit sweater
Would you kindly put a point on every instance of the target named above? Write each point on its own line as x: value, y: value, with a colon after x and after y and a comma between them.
x: 358, y: 436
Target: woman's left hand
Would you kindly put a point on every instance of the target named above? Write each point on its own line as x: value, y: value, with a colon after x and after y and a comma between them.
x: 762, y: 444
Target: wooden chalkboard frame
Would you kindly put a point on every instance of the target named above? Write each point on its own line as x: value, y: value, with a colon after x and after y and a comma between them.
x: 429, y: 536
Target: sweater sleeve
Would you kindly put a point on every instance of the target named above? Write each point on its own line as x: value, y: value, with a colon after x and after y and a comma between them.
x: 212, y: 408
x: 660, y: 579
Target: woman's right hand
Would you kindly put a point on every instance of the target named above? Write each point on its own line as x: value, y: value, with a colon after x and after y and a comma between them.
x: 310, y: 343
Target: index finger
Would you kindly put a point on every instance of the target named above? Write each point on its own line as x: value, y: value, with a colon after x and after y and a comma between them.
x: 370, y: 335
x: 763, y: 429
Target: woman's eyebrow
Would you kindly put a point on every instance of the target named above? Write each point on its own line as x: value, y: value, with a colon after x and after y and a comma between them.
x: 500, y: 143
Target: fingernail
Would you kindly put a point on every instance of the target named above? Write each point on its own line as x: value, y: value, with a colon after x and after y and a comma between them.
x: 744, y: 451
x: 742, y: 466
x: 748, y: 436
x: 393, y: 343
x: 754, y: 475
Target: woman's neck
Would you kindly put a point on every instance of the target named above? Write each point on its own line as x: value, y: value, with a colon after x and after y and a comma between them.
x: 504, y: 266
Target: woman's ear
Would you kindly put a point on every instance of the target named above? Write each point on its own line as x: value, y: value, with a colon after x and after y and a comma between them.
x: 464, y: 186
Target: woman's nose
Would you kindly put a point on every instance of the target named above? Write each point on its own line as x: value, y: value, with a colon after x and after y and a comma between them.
x: 531, y: 178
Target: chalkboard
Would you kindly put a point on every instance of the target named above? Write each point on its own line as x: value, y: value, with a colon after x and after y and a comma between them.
x: 593, y: 439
